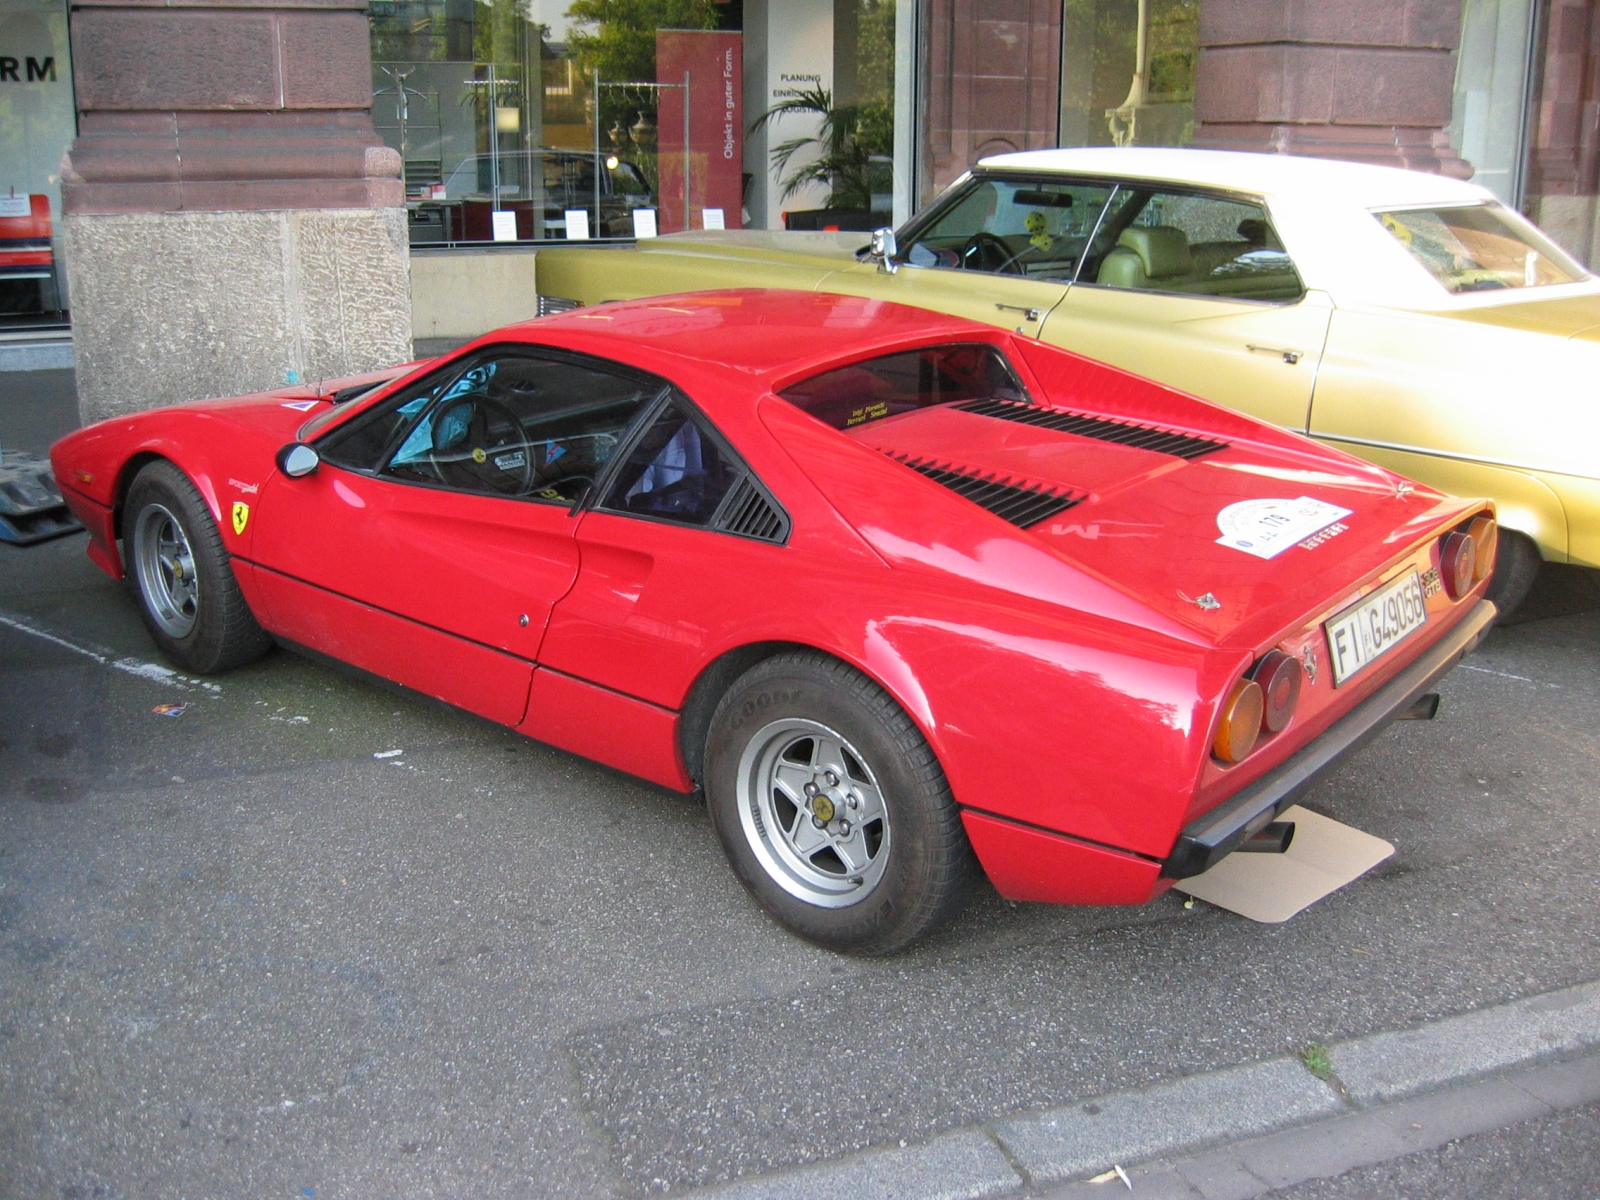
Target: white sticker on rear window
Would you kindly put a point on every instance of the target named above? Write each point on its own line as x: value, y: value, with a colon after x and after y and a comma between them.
x: 1266, y: 528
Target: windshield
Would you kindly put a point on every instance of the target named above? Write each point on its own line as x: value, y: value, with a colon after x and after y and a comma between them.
x: 1479, y: 248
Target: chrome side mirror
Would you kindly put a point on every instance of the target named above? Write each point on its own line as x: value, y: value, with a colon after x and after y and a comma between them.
x: 884, y: 249
x: 297, y: 460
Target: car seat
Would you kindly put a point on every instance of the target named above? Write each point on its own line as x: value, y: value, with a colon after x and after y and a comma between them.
x: 1145, y: 256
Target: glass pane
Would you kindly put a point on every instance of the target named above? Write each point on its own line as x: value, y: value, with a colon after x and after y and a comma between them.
x: 1201, y: 245
x: 898, y: 383
x: 675, y: 472
x: 1479, y: 249
x: 492, y: 107
x: 37, y: 122
x: 1013, y: 226
x: 361, y: 445
x: 520, y: 426
x: 1108, y: 96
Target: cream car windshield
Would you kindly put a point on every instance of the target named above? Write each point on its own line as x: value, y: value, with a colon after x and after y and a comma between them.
x: 1479, y: 248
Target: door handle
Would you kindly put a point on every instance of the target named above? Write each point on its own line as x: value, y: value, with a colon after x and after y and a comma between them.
x: 1289, y: 356
x: 1028, y: 314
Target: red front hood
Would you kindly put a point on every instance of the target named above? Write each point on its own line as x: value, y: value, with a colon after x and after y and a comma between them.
x: 1147, y: 523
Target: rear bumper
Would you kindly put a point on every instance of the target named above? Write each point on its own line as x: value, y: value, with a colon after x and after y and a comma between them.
x: 1210, y: 838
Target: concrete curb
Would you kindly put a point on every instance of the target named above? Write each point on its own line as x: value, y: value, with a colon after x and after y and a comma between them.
x: 1254, y: 1105
x: 44, y: 355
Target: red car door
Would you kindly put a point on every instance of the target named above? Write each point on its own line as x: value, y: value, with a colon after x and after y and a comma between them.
x: 437, y: 534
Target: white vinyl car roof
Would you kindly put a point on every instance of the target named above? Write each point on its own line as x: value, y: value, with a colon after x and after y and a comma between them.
x: 1356, y: 184
x: 1321, y: 208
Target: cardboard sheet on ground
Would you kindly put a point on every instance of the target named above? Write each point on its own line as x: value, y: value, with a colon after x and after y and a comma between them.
x: 1323, y: 857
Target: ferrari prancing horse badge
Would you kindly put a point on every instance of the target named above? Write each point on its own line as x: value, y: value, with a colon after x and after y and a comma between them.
x: 241, y: 515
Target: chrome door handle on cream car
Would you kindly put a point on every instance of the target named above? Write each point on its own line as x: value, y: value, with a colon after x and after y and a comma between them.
x: 1289, y: 356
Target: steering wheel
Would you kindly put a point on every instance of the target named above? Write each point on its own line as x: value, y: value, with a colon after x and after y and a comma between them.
x: 986, y: 251
x: 465, y: 455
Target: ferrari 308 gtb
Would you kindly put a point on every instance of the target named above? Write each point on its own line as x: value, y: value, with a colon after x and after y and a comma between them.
x: 906, y: 595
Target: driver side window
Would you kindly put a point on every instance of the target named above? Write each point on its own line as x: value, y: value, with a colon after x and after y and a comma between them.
x: 1034, y: 228
x: 514, y: 424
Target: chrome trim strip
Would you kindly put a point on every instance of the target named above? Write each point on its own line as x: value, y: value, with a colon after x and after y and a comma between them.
x: 1466, y: 458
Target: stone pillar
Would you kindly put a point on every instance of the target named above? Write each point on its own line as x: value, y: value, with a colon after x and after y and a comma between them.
x: 1366, y: 80
x: 232, y: 220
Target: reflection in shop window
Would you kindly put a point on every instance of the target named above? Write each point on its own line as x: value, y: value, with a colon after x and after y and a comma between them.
x: 1127, y: 74
x: 492, y: 108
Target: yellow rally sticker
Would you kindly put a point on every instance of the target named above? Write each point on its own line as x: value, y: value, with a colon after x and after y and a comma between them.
x: 241, y: 516
x: 478, y: 455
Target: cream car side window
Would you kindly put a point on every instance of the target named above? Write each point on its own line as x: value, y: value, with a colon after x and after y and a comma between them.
x: 1034, y: 228
x: 1194, y: 245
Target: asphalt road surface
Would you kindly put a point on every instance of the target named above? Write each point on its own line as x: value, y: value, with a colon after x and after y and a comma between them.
x: 307, y: 936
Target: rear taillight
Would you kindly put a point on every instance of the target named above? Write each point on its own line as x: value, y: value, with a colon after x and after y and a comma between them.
x: 1279, y: 676
x: 1457, y: 563
x: 1485, y: 534
x: 1241, y: 722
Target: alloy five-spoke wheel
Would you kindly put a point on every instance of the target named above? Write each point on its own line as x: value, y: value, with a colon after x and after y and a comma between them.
x: 165, y: 563
x: 813, y: 812
x: 183, y: 575
x: 831, y: 806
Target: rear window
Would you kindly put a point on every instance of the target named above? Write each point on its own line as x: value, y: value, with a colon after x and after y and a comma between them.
x: 1479, y: 248
x: 898, y: 383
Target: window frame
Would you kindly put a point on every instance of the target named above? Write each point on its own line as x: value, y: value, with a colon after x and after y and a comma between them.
x: 1154, y: 188
x: 913, y: 229
x: 453, y: 370
x: 740, y: 469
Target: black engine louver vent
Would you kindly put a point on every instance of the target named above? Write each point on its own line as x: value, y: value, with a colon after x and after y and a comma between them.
x: 1020, y: 504
x: 1140, y: 437
x: 750, y: 512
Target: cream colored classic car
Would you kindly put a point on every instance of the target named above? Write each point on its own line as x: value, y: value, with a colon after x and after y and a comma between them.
x: 1408, y: 318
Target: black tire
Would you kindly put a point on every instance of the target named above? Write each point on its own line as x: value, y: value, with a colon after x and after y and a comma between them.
x: 196, y: 613
x: 861, y: 901
x: 1516, y: 566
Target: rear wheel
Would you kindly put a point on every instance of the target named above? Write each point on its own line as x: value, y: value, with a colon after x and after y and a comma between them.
x: 180, y: 571
x: 1516, y: 566
x: 832, y: 808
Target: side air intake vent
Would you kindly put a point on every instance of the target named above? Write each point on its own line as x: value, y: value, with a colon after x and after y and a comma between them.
x: 1018, y: 503
x: 750, y: 512
x: 550, y: 305
x: 1140, y: 437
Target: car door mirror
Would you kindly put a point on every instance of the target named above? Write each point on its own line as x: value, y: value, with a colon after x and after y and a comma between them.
x: 884, y: 250
x: 298, y: 459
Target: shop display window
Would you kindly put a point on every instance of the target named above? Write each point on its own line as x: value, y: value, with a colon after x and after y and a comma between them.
x: 541, y: 120
x: 37, y: 122
x: 1127, y: 72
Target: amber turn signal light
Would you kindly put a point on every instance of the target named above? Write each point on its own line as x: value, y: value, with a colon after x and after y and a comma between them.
x: 1241, y: 722
x: 1279, y: 676
x: 1485, y: 535
x: 1457, y: 561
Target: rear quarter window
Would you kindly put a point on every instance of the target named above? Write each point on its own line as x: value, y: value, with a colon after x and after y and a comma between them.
x: 899, y: 383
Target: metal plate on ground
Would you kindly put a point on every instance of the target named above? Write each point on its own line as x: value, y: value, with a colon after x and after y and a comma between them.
x: 1323, y: 857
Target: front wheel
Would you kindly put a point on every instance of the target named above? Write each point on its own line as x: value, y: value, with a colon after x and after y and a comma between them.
x: 832, y: 808
x: 181, y: 572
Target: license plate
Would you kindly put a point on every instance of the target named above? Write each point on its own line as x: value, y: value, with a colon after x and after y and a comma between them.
x: 1368, y: 630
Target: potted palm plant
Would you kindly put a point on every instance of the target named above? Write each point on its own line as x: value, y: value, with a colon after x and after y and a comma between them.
x: 851, y: 157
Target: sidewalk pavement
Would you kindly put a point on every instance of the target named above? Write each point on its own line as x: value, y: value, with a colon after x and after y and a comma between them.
x: 1245, y: 1131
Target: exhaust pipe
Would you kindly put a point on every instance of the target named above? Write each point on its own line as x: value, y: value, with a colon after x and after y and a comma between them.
x: 1424, y: 708
x: 1270, y: 839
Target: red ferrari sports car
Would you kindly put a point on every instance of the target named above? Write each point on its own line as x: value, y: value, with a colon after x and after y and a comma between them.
x: 905, y: 595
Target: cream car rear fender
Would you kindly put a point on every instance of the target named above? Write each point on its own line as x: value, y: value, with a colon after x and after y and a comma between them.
x: 1523, y: 502
x: 595, y: 275
x: 1581, y: 498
